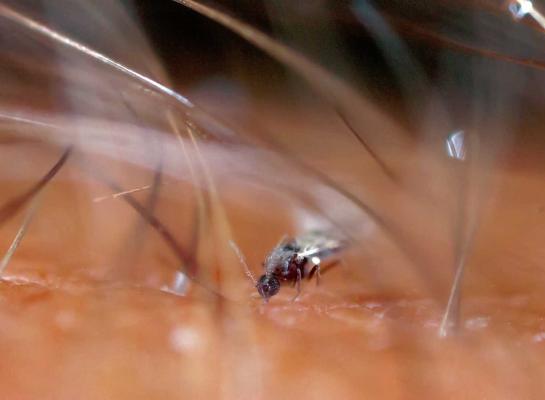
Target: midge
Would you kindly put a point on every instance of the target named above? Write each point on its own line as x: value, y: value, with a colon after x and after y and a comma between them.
x: 294, y: 259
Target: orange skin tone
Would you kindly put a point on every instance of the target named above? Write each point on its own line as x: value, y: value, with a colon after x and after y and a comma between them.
x: 82, y: 315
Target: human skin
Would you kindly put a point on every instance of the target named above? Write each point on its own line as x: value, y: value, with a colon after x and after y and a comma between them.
x: 88, y: 304
x: 84, y: 312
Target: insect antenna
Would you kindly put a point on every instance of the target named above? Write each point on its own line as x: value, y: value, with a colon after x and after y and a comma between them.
x: 242, y: 259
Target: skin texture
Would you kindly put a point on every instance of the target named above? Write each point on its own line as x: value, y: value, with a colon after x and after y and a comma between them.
x: 85, y: 311
x: 92, y: 304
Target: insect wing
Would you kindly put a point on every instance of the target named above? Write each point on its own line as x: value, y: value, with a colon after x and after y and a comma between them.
x: 319, y: 244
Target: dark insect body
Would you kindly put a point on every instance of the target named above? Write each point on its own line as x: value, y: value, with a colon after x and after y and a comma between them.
x: 294, y: 259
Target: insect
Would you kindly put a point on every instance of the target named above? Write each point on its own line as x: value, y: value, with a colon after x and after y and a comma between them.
x: 294, y: 259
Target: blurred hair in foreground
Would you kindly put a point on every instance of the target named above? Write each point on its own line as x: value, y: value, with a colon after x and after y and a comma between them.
x: 410, y: 129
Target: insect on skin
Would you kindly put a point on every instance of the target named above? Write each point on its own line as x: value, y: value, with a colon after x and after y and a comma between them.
x: 294, y: 259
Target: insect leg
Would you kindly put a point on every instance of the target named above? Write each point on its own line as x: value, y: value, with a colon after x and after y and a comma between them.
x: 315, y: 270
x: 322, y: 270
x: 297, y: 285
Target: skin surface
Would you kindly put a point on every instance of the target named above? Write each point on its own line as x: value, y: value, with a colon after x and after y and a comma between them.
x: 85, y: 312
x: 92, y: 304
